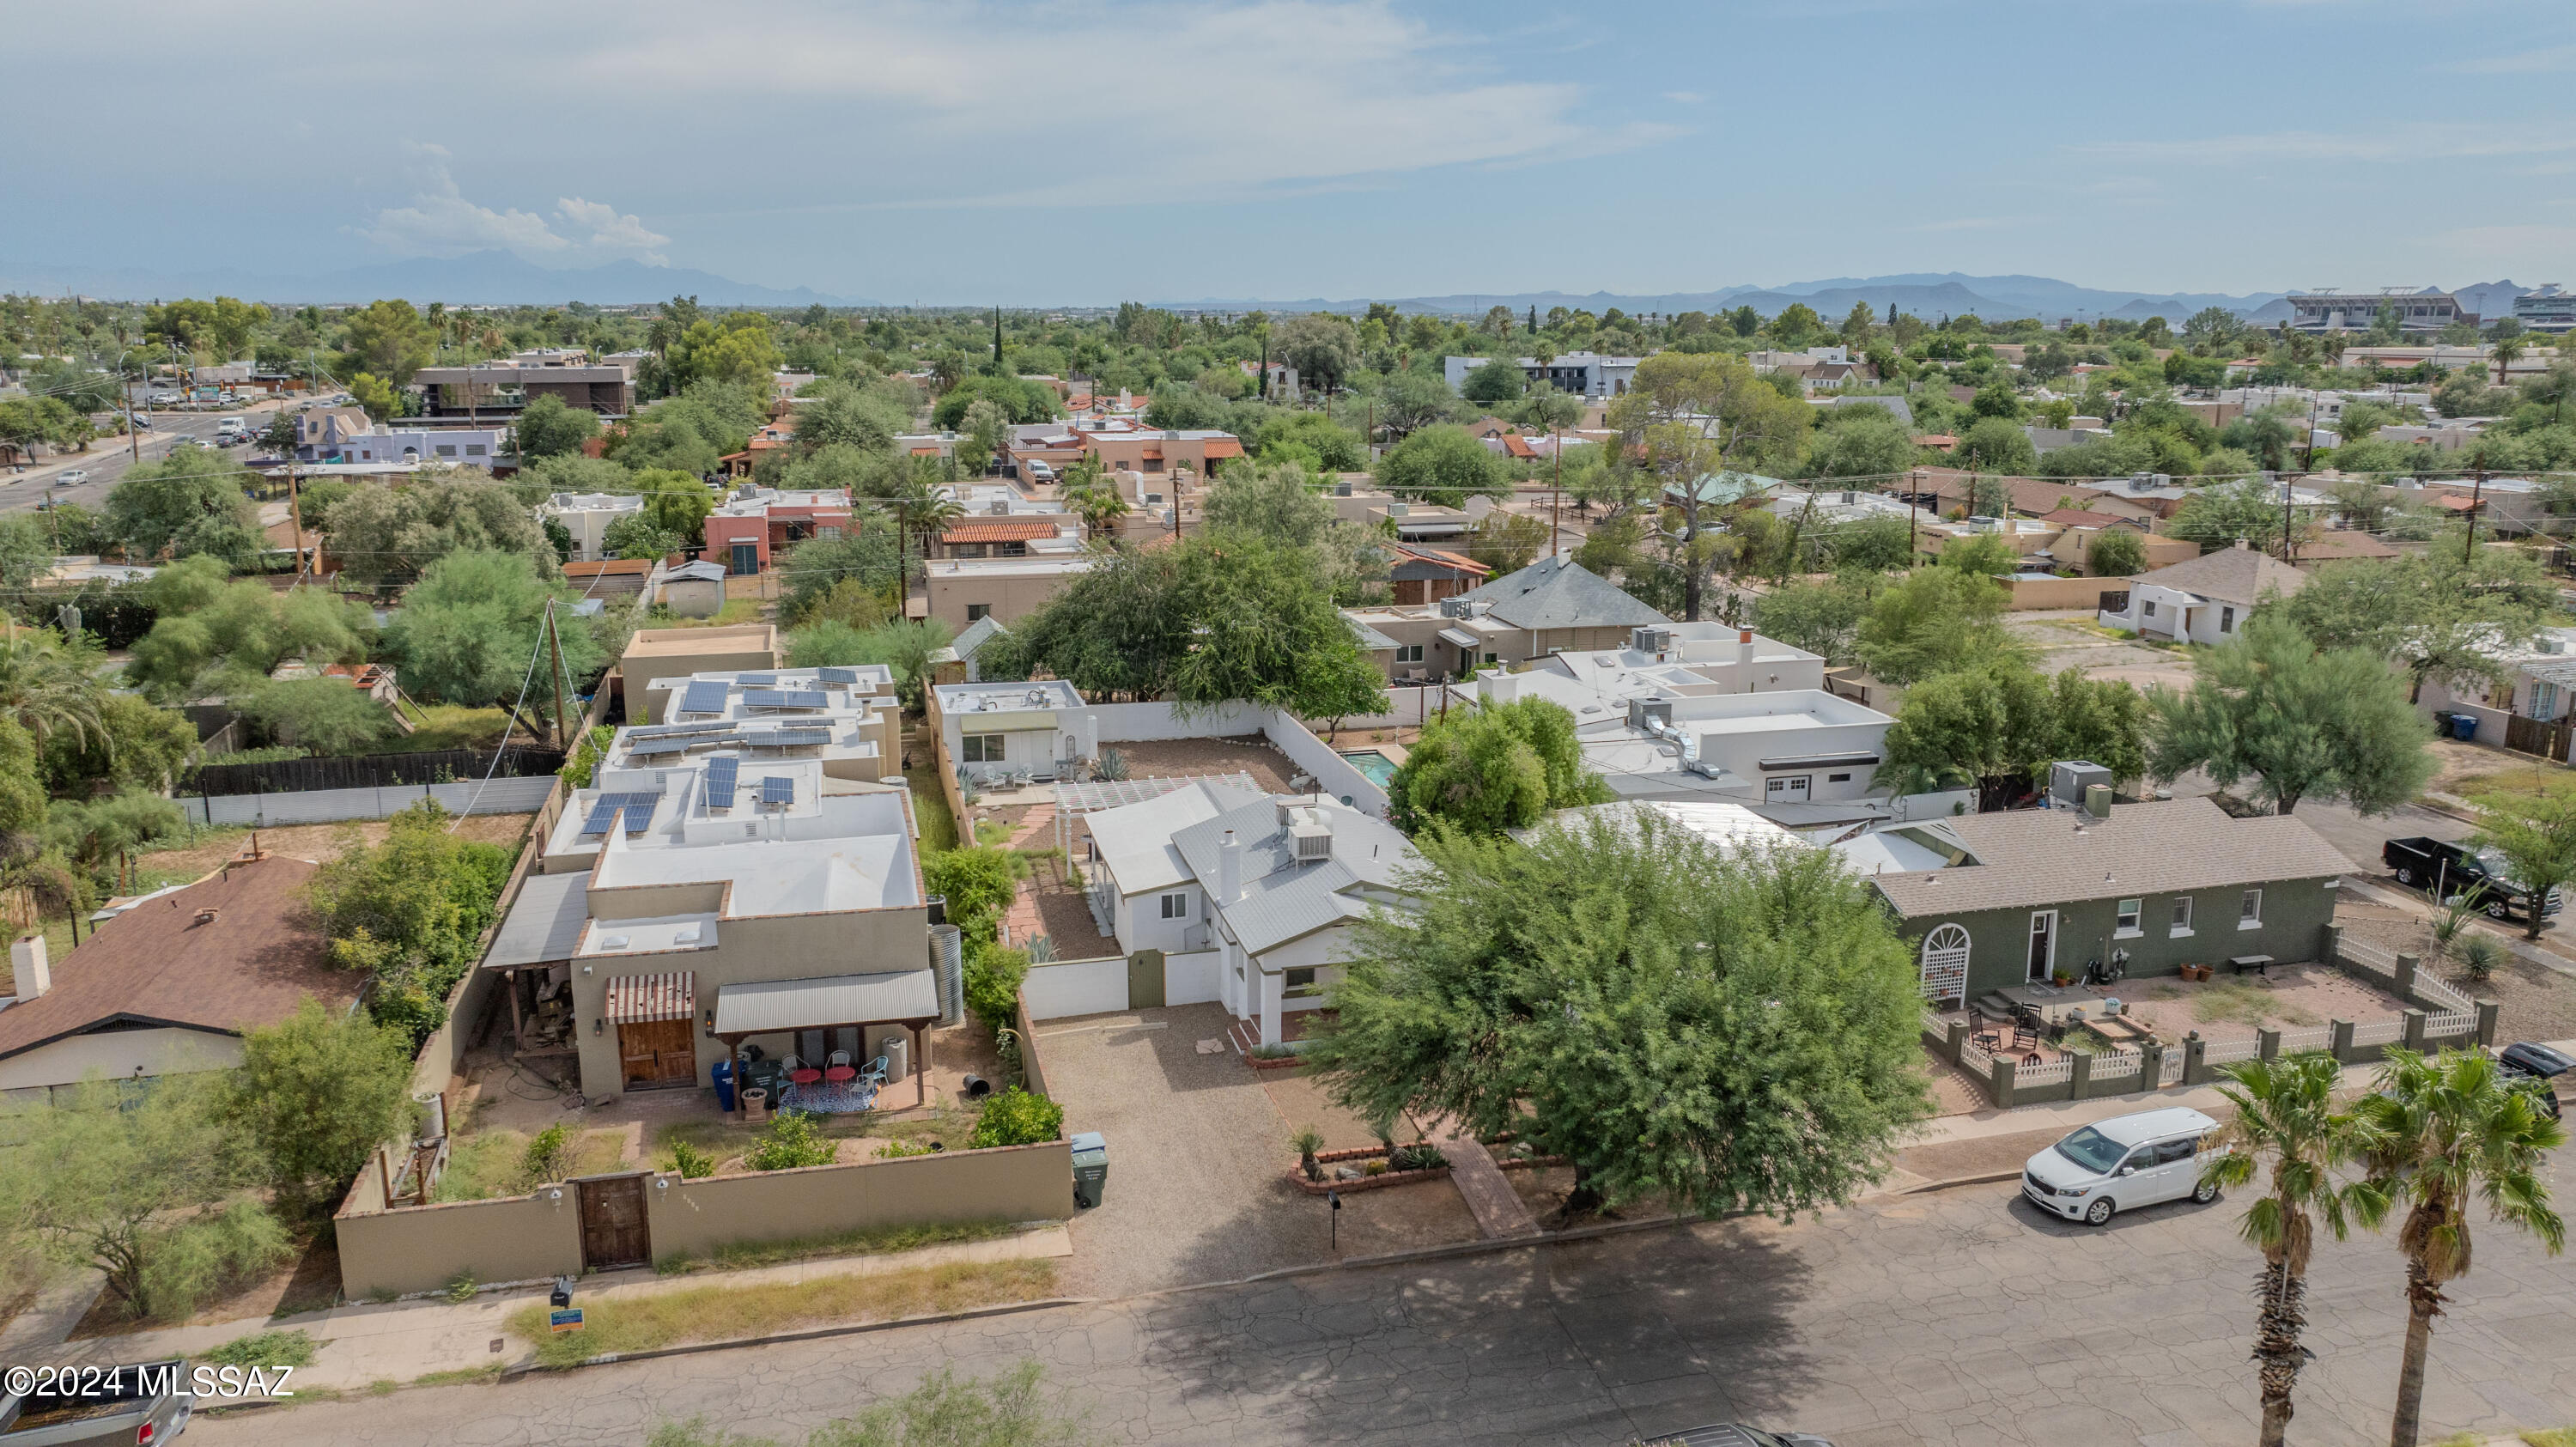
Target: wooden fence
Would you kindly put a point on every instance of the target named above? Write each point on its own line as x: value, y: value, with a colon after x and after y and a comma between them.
x: 373, y: 771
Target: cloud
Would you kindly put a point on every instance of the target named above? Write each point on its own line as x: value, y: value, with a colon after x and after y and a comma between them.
x: 441, y: 222
x: 611, y: 232
x: 1095, y: 103
x: 2421, y: 141
x: 2530, y: 62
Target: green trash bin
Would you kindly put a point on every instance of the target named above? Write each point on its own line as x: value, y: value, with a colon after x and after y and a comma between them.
x: 1090, y: 1168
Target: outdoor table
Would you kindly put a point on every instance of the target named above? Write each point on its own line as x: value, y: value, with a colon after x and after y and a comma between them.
x: 838, y: 1073
x: 2259, y: 964
x: 804, y: 1077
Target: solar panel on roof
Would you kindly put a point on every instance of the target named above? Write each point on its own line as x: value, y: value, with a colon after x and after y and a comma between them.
x: 722, y: 778
x: 838, y: 675
x: 774, y: 790
x: 705, y: 695
x: 748, y: 679
x: 678, y: 730
x: 655, y: 748
x: 789, y: 739
x: 785, y: 698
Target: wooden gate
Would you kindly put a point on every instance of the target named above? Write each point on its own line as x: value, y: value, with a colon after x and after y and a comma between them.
x: 614, y: 1232
x: 2532, y: 736
x: 659, y: 1052
x: 1145, y: 980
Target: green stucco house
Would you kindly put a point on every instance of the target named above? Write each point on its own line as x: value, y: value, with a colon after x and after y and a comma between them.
x: 2029, y: 893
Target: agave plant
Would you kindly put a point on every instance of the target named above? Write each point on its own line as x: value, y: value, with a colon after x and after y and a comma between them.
x: 1305, y: 1143
x: 2479, y: 954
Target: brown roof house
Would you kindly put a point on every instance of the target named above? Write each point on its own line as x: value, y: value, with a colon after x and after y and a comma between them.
x: 2204, y: 600
x: 169, y: 985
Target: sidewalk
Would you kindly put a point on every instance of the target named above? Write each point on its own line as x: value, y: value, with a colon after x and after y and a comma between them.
x: 366, y: 1342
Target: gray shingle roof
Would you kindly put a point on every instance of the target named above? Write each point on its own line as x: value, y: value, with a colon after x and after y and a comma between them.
x: 2036, y: 857
x: 2230, y: 575
x: 1556, y: 593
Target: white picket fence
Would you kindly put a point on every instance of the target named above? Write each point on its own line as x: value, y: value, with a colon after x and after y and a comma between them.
x: 2378, y: 1032
x: 2052, y: 1072
x: 2170, y: 1072
x: 2228, y: 1052
x: 2451, y: 1022
x: 2320, y: 1037
x: 2113, y: 1064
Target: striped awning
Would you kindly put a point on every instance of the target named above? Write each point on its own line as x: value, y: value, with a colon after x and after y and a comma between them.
x: 639, y: 999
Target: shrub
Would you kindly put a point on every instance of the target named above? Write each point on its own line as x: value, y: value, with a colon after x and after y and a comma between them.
x: 263, y: 1349
x: 1305, y: 1143
x: 460, y: 1287
x: 1373, y: 1168
x: 2479, y: 956
x: 196, y: 1260
x: 993, y: 976
x: 1422, y: 1156
x: 549, y: 1157
x: 792, y: 1141
x: 898, y: 1150
x: 978, y: 884
x: 577, y: 769
x: 1017, y: 1118
x: 691, y: 1162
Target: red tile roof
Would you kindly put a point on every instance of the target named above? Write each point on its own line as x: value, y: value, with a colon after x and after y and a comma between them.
x: 997, y: 532
x: 160, y: 964
x: 1222, y: 447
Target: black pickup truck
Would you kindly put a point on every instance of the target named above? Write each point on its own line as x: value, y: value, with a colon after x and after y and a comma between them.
x: 2452, y: 871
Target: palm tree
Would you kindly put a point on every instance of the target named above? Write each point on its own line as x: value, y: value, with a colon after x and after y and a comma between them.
x: 49, y: 686
x: 2285, y: 1117
x: 2507, y: 350
x: 2434, y: 1133
x: 1093, y: 497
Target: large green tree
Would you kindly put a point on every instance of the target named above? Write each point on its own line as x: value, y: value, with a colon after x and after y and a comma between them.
x: 187, y: 503
x: 2536, y: 833
x: 2439, y: 615
x: 318, y: 1091
x: 1445, y: 465
x: 1936, y: 620
x: 1497, y: 766
x: 470, y: 632
x: 548, y: 428
x: 218, y: 635
x: 1997, y: 726
x: 2297, y: 721
x: 381, y: 534
x: 388, y: 339
x: 1725, y: 1031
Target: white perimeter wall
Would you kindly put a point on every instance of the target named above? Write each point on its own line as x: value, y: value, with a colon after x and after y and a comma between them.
x: 1076, y: 987
x: 324, y: 806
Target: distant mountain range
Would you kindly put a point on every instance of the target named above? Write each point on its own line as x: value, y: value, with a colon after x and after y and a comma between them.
x: 500, y: 278
x: 481, y: 278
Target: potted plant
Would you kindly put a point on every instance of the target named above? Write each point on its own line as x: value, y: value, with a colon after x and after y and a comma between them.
x: 2062, y: 979
x: 1305, y: 1143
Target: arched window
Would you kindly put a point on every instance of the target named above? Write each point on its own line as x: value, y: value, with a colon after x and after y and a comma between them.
x: 1945, y: 964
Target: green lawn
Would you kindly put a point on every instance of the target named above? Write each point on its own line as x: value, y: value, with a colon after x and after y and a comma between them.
x: 930, y: 803
x: 447, y: 726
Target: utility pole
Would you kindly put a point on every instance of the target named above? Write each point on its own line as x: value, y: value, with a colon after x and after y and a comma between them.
x: 554, y: 684
x: 1556, y: 488
x: 2285, y: 522
x: 295, y: 513
x: 2469, y: 545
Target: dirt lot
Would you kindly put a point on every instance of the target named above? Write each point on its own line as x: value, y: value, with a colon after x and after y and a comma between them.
x: 2070, y: 640
x: 2238, y: 1007
x: 2539, y: 1003
x: 1175, y: 758
x: 316, y: 841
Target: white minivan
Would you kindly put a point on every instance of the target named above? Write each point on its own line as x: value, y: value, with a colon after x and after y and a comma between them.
x: 2122, y: 1163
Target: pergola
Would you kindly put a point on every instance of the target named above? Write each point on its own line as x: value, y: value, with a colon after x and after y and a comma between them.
x: 785, y: 1007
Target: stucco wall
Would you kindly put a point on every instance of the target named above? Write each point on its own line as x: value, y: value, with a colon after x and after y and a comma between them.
x: 2295, y: 914
x: 1012, y: 1183
x: 422, y: 1248
x: 1191, y: 979
x: 120, y: 1055
x: 2062, y: 592
x: 1076, y: 987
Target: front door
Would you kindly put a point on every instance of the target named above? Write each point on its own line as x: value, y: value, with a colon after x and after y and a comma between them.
x: 614, y: 1233
x: 658, y: 1052
x: 746, y: 558
x: 1791, y: 790
x: 1145, y: 980
x: 2043, y: 943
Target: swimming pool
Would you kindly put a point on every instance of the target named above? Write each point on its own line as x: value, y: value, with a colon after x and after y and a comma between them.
x: 1377, y: 768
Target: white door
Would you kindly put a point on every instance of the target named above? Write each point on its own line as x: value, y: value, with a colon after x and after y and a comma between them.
x: 1792, y: 790
x: 2177, y: 1169
x: 2043, y: 943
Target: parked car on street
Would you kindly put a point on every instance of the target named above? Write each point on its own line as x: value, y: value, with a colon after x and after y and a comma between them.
x: 71, y: 477
x: 137, y: 1406
x: 2121, y: 1164
x: 2455, y: 871
x: 2541, y: 1066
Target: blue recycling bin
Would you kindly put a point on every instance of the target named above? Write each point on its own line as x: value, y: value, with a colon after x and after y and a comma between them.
x: 2464, y: 727
x: 723, y: 1073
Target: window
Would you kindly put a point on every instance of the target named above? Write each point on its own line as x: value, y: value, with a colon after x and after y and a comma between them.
x: 1408, y: 653
x: 1492, y: 659
x: 1837, y: 778
x: 2227, y: 620
x: 2146, y: 609
x: 1015, y: 549
x: 2170, y: 1153
x: 2544, y: 700
x: 1794, y: 789
x: 981, y: 748
x: 1176, y: 906
x: 1153, y: 464
x: 2249, y: 915
x: 828, y: 531
x: 975, y: 611
x: 474, y: 449
x: 2181, y: 915
x: 447, y: 449
x: 1299, y: 984
x: 2127, y: 925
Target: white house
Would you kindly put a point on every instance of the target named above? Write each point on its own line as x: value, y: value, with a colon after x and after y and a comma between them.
x: 2204, y: 599
x: 993, y: 729
x: 587, y: 515
x: 1271, y: 884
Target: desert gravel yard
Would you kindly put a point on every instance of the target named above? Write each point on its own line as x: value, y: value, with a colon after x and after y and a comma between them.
x: 1197, y: 1146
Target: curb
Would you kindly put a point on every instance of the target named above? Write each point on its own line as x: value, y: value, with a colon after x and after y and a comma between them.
x: 526, y: 1369
x: 1987, y: 1179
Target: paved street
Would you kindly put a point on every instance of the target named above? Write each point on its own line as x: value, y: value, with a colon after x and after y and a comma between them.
x: 109, y: 457
x: 1961, y: 1316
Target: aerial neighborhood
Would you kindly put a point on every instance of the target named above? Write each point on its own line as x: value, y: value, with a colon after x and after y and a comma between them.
x: 613, y: 828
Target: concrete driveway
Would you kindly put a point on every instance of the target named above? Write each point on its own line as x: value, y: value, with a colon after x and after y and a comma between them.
x: 1196, y: 1152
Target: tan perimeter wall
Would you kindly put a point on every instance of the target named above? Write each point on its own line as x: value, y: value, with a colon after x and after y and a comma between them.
x: 422, y: 1248
x: 526, y: 1238
x: 2030, y: 593
x: 1031, y: 1073
x: 1010, y: 1183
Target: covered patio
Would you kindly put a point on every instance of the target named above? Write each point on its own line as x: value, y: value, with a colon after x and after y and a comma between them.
x: 855, y: 1010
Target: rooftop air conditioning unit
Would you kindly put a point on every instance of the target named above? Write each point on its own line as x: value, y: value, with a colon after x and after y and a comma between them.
x: 2548, y: 644
x: 1001, y: 507
x: 1648, y: 639
x: 1453, y: 606
x: 1313, y: 842
x: 1645, y: 713
x: 1341, y: 489
x: 1399, y: 509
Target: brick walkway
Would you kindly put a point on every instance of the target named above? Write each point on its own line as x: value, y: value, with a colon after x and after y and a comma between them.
x: 1023, y: 918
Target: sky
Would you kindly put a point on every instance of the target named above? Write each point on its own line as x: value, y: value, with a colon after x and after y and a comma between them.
x: 1087, y: 151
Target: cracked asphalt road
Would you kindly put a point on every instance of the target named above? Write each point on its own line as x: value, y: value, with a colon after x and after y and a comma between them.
x: 1957, y: 1317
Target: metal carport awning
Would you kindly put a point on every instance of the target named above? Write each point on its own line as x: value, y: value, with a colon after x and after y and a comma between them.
x: 643, y: 999
x: 1460, y: 637
x: 773, y: 1007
